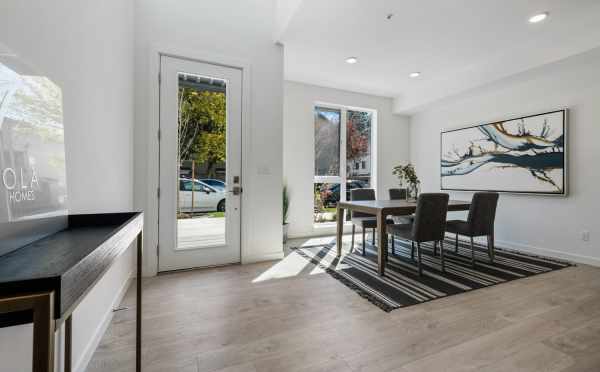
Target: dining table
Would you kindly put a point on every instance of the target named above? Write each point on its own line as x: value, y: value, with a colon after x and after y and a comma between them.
x: 381, y: 210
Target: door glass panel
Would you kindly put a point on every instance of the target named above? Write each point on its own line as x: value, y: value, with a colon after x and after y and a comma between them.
x: 327, y: 142
x: 202, y: 128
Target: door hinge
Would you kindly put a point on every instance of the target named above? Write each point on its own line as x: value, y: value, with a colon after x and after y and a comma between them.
x: 158, y: 192
x: 159, y: 78
x: 158, y: 134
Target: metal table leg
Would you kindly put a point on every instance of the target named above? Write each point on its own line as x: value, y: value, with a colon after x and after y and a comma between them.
x: 69, y: 343
x: 138, y: 307
x: 42, y: 305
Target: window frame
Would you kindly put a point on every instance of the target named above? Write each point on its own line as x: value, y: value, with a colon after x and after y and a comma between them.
x: 342, y: 178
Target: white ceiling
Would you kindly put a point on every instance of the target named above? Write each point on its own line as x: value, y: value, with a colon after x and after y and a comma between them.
x: 457, y: 45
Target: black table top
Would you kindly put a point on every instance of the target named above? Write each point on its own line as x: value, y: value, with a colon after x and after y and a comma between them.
x: 69, y: 262
x: 53, y: 255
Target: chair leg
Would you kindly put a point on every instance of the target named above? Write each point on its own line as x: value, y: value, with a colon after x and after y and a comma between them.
x: 435, y: 248
x: 442, y: 255
x: 352, y: 244
x: 491, y: 251
x: 373, y: 239
x: 493, y: 244
x: 412, y: 251
x: 364, y: 250
x: 456, y: 244
x: 472, y: 253
x: 419, y: 256
x: 393, y: 244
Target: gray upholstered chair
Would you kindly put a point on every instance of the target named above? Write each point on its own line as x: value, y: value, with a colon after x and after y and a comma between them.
x: 429, y: 225
x: 480, y: 222
x: 400, y: 194
x: 363, y: 220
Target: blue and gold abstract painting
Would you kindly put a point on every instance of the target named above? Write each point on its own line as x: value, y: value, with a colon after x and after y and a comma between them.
x: 523, y: 155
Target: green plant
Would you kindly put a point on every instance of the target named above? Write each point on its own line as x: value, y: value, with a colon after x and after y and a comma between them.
x: 406, y: 175
x: 286, y: 203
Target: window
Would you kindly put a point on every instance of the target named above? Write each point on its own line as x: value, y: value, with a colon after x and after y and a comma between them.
x: 327, y: 142
x: 342, y: 157
x: 185, y: 185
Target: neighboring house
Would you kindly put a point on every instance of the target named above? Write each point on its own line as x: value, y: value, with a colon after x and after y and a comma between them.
x: 359, y: 167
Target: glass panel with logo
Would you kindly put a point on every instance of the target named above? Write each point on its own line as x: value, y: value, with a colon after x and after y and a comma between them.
x: 33, y: 185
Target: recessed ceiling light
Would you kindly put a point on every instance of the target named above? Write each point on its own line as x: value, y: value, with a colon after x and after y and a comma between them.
x: 414, y: 74
x: 538, y: 17
x: 351, y: 60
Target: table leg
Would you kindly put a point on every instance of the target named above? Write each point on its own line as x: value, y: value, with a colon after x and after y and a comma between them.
x: 138, y: 307
x: 43, y: 333
x: 42, y: 306
x: 69, y: 343
x: 340, y: 230
x: 382, y: 242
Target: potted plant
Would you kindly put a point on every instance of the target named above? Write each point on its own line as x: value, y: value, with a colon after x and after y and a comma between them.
x: 407, y: 178
x: 286, y: 206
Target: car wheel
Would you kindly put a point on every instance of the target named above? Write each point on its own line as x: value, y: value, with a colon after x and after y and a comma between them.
x: 221, y: 206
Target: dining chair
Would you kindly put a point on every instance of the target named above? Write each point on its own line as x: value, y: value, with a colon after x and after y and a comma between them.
x: 363, y: 220
x: 480, y: 222
x: 399, y: 194
x: 429, y: 225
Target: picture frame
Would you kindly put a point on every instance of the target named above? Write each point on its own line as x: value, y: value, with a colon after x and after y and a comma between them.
x: 521, y: 155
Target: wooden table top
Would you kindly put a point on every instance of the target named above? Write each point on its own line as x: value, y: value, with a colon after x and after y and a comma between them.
x: 71, y: 261
x: 396, y: 206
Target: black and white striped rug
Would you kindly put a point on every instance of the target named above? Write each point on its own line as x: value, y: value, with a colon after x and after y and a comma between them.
x: 402, y: 286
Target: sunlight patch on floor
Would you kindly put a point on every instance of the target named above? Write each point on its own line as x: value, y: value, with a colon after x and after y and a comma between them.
x: 317, y: 241
x: 291, y: 265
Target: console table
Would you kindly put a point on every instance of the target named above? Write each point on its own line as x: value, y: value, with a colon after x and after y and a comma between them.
x: 43, y: 282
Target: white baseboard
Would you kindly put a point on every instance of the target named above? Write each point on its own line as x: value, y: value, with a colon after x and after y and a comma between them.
x: 526, y: 248
x: 88, y: 353
x: 262, y: 257
x: 576, y: 258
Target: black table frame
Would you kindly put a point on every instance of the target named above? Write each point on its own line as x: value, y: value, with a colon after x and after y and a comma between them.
x: 44, y: 318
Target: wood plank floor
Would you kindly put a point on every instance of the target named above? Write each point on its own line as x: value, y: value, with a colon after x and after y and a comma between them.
x: 290, y: 316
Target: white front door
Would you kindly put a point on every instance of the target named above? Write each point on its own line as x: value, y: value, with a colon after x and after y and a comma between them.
x: 200, y: 164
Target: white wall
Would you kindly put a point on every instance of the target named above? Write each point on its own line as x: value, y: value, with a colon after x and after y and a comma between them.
x: 546, y: 225
x: 86, y: 47
x: 236, y: 30
x: 298, y: 146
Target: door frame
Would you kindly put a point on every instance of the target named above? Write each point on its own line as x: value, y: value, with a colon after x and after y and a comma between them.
x: 151, y: 213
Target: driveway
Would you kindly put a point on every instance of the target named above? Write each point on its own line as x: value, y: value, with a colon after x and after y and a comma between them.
x: 200, y: 232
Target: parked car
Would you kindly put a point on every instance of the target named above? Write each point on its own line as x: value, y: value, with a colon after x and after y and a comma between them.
x: 216, y: 184
x: 332, y: 195
x: 206, y: 198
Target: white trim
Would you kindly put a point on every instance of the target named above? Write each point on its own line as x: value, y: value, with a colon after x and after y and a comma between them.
x: 263, y: 257
x: 89, y: 350
x: 526, y: 248
x: 577, y: 258
x: 152, y: 181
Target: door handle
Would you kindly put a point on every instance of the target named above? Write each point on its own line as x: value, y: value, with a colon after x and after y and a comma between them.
x: 236, y: 190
